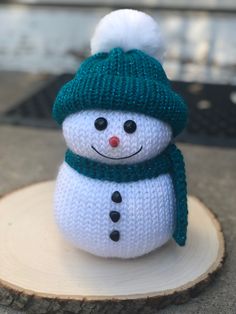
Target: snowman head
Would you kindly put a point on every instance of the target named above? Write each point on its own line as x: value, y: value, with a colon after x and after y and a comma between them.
x: 115, y: 137
x: 120, y: 107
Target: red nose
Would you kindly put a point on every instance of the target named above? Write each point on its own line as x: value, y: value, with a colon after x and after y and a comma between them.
x: 114, y: 141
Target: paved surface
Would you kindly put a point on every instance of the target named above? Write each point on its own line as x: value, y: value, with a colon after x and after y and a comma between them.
x: 16, y: 86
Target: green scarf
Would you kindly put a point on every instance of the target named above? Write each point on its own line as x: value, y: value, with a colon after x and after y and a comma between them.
x: 169, y: 161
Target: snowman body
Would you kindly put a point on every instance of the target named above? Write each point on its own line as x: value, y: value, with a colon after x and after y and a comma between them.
x: 112, y: 219
x: 109, y: 218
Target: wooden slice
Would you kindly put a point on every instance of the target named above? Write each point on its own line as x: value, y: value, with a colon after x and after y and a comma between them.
x: 41, y: 273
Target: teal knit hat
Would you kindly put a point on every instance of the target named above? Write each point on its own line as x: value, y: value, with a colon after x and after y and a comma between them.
x: 121, y: 80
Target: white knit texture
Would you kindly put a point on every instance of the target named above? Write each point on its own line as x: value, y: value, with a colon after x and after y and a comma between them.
x: 128, y: 29
x: 82, y: 207
x: 82, y: 204
x: 151, y: 134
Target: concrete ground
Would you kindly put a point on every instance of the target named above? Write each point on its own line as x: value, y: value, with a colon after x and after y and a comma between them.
x: 16, y: 86
x: 29, y: 155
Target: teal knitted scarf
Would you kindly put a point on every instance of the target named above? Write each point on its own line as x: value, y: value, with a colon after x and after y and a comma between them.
x: 169, y: 161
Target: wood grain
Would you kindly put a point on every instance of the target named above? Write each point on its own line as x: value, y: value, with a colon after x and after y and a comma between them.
x: 41, y: 273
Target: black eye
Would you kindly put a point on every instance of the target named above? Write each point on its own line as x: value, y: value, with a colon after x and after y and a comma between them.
x: 100, y: 124
x: 130, y: 126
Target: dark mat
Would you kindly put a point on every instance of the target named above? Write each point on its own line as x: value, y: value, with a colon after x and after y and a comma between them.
x: 212, y: 111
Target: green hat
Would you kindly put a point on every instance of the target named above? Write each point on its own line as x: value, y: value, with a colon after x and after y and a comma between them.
x: 124, y: 80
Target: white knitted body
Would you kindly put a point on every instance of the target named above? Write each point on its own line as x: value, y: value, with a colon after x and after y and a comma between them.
x: 147, y: 213
x: 83, y: 205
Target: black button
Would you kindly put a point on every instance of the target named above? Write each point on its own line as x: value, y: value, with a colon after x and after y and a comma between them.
x: 130, y: 126
x: 100, y: 124
x: 115, y: 235
x: 114, y: 215
x: 116, y: 197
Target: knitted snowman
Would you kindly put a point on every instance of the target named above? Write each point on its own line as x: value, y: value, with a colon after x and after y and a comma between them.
x: 121, y: 191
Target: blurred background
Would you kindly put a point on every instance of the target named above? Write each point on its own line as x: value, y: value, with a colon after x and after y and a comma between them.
x: 52, y: 36
x: 42, y: 43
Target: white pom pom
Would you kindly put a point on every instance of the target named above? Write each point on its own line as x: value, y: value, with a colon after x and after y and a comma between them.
x: 128, y: 29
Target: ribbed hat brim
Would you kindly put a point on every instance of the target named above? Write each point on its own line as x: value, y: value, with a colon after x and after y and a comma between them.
x: 109, y: 92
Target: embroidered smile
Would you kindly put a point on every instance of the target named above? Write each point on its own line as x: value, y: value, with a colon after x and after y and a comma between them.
x: 116, y: 158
